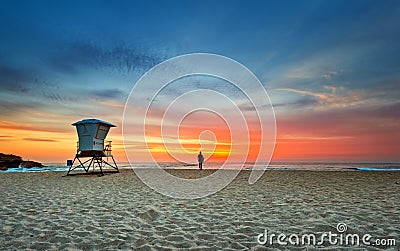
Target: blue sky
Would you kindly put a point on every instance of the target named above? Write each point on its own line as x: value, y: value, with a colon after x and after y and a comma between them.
x: 61, y: 60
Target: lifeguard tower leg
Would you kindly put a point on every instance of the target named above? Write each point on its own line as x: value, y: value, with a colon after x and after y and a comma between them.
x: 100, y: 161
x: 80, y: 164
x: 69, y: 169
x: 116, y: 167
x: 90, y: 164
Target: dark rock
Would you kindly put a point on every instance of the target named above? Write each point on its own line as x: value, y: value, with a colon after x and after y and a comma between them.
x: 10, y: 160
x: 14, y: 161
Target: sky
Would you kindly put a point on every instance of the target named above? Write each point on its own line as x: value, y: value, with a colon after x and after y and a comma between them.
x: 331, y: 69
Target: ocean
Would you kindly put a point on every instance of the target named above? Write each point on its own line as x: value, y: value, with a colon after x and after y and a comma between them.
x: 289, y: 166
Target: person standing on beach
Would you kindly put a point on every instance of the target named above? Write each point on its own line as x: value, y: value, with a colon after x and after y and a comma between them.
x: 200, y: 158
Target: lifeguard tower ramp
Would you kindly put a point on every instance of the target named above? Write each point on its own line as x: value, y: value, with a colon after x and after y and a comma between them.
x: 92, y: 145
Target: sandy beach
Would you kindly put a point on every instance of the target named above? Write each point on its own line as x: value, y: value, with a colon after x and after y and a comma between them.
x: 45, y: 211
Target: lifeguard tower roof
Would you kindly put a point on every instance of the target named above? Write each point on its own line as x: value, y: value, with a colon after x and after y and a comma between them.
x: 93, y: 121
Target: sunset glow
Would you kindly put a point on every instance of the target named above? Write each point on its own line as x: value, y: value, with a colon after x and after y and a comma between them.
x: 331, y: 70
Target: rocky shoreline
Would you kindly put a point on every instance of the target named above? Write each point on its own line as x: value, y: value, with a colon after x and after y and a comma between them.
x: 13, y: 161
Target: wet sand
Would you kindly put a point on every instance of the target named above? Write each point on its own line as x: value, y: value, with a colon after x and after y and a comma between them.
x: 45, y: 211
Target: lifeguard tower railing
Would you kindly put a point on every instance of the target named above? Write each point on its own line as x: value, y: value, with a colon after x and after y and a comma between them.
x: 106, y: 151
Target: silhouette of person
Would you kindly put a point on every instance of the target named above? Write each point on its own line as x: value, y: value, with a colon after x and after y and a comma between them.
x: 200, y: 158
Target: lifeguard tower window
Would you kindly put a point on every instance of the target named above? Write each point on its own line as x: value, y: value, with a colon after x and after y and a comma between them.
x: 102, y: 132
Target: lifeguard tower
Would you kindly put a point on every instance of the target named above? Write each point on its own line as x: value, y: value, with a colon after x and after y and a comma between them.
x: 92, y: 145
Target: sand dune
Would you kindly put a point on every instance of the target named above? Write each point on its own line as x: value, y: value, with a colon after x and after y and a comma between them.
x: 117, y: 211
